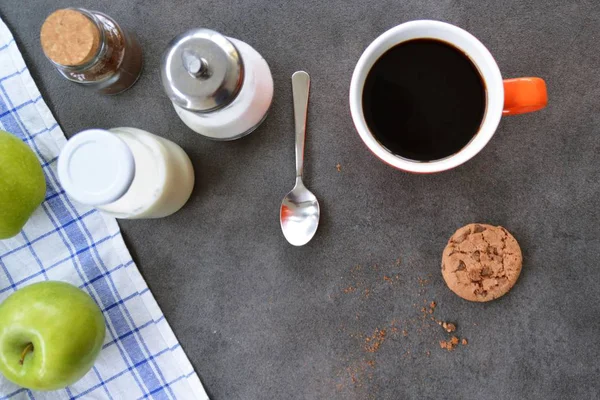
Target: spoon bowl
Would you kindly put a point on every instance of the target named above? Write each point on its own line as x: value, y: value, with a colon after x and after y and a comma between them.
x: 299, y: 215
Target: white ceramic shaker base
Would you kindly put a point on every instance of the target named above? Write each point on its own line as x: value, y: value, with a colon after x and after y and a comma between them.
x: 164, y: 177
x: 249, y: 108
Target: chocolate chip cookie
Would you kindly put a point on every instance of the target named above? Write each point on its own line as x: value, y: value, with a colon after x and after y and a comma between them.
x: 481, y: 262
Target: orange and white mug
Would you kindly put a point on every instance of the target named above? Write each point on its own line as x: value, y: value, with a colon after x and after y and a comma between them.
x: 503, y: 97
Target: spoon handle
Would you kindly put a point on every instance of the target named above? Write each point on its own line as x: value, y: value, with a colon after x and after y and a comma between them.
x: 300, y: 89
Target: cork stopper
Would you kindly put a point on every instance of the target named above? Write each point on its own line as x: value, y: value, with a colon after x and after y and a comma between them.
x: 69, y: 38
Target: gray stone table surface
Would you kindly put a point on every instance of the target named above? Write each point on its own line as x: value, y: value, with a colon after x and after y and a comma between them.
x: 260, y: 319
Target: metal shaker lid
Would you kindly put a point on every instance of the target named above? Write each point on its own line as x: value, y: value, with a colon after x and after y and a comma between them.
x: 201, y: 70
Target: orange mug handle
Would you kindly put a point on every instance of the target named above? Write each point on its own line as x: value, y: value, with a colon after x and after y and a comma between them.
x: 523, y: 95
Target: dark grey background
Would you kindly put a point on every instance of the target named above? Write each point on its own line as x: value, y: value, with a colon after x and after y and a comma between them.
x: 260, y: 319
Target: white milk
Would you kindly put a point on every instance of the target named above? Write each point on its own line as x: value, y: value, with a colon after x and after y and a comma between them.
x: 126, y: 172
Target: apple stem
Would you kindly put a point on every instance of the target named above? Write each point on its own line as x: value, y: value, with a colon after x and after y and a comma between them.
x: 26, y: 350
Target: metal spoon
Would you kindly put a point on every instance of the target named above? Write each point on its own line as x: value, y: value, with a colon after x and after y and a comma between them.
x: 299, y: 215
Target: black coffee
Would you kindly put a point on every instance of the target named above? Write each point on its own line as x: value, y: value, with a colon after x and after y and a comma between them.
x: 424, y: 100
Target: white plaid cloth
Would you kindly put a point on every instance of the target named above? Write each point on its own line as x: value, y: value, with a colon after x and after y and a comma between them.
x: 65, y: 241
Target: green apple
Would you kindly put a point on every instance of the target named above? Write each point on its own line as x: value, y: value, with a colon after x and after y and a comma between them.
x: 22, y: 184
x: 50, y: 335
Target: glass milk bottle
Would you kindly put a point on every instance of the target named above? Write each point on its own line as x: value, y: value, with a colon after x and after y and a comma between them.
x: 219, y: 86
x: 126, y: 172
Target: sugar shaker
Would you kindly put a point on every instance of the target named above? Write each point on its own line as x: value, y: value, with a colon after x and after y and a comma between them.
x: 90, y: 48
x: 219, y: 86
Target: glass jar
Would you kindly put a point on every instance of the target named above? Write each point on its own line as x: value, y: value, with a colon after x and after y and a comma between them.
x: 126, y: 172
x: 220, y: 87
x: 90, y: 48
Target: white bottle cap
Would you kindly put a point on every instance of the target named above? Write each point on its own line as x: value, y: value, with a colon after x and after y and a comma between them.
x: 96, y: 167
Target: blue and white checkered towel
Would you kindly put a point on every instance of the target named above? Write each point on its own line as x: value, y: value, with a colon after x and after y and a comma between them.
x: 65, y: 241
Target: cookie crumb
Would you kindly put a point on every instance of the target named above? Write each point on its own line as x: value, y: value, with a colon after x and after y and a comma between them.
x: 373, y: 342
x: 338, y: 166
x: 449, y: 344
x: 448, y: 326
x: 465, y: 342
